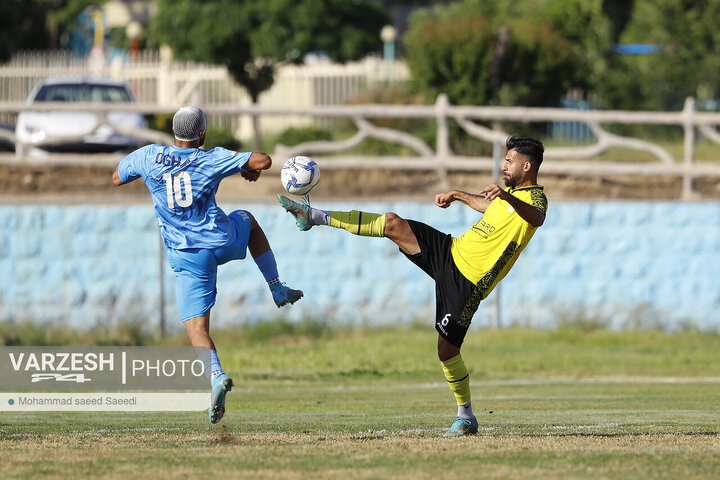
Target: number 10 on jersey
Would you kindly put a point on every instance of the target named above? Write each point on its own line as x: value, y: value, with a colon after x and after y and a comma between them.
x: 174, y: 187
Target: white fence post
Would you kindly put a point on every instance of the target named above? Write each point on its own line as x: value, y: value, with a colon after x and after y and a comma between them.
x: 442, y: 142
x: 688, y: 147
x: 163, y: 84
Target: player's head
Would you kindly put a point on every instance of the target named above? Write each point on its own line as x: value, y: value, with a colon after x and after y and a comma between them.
x: 524, y: 156
x: 189, y: 125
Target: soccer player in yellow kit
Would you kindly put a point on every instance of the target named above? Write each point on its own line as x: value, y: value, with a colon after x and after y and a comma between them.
x: 465, y: 269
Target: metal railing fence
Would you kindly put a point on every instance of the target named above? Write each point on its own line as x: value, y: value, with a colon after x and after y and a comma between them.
x: 438, y: 157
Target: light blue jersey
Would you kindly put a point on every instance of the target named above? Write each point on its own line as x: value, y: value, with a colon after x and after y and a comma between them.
x: 183, y: 182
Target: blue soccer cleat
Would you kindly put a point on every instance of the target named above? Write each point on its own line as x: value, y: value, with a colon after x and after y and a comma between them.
x: 301, y: 212
x: 284, y: 295
x: 462, y: 426
x: 221, y: 384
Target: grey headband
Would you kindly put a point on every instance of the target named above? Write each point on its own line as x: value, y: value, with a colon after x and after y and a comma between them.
x: 188, y: 122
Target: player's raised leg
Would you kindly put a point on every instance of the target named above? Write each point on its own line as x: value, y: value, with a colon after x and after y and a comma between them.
x: 366, y: 224
x: 265, y: 260
x: 198, y: 331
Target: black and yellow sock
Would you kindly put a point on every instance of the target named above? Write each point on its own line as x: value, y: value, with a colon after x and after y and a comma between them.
x: 359, y: 223
x: 458, y: 378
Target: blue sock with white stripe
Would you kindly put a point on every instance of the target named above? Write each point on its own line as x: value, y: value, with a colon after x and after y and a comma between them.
x: 215, y: 367
x: 268, y: 267
x: 211, y: 363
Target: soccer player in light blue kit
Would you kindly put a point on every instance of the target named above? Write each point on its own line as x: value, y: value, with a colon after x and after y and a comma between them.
x: 199, y: 236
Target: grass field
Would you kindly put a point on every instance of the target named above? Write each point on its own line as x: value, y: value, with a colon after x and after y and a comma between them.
x: 566, y: 403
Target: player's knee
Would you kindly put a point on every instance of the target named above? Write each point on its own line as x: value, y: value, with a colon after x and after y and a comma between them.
x: 393, y: 223
x: 196, y: 325
x: 446, y: 350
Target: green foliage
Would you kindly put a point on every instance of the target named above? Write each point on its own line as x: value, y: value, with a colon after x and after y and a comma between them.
x: 65, y: 12
x: 295, y: 135
x: 592, y: 27
x: 687, y: 65
x: 22, y: 27
x: 256, y: 34
x: 31, y: 334
x: 275, y: 331
x: 529, y: 52
x: 343, y: 30
x: 483, y: 53
x: 221, y: 137
x: 161, y: 121
x: 581, y: 323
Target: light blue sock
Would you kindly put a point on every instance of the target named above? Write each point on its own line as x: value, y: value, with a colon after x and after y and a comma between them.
x: 215, y: 363
x: 210, y: 361
x: 268, y: 267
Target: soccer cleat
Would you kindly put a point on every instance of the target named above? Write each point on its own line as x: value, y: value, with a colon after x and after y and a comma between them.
x: 284, y: 295
x: 301, y: 212
x: 462, y: 426
x: 221, y: 384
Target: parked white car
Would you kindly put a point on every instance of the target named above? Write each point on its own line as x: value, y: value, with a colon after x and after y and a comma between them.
x: 78, y: 131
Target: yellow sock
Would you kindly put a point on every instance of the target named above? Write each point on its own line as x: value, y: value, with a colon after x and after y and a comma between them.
x: 359, y: 223
x: 458, y: 378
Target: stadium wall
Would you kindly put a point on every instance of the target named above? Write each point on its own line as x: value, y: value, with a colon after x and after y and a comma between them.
x: 629, y: 264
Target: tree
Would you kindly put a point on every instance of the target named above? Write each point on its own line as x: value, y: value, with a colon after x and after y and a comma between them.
x: 684, y: 32
x: 490, y: 53
x: 251, y: 37
x: 22, y: 26
x: 37, y: 24
x: 687, y: 61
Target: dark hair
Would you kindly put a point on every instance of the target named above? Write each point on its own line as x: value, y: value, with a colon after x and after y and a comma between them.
x: 531, y: 147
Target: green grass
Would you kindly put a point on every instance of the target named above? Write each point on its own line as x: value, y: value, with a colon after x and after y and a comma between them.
x: 324, y: 403
x: 705, y: 151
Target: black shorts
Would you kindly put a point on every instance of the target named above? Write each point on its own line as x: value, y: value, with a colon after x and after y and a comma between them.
x: 456, y: 298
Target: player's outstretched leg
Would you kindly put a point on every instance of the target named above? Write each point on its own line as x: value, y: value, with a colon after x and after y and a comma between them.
x: 301, y: 212
x: 365, y: 224
x: 265, y: 261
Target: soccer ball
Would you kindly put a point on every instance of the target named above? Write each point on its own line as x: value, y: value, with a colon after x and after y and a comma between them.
x: 299, y: 175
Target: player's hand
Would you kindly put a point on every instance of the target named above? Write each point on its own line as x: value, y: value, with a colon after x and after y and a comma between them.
x: 491, y: 192
x: 443, y: 200
x: 251, y: 175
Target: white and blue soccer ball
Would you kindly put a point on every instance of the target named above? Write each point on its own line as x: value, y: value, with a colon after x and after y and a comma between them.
x: 299, y: 175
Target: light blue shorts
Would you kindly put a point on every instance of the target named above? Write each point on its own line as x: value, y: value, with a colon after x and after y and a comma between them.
x: 196, y: 268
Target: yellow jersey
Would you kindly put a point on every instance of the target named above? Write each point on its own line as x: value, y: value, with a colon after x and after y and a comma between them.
x: 485, y: 253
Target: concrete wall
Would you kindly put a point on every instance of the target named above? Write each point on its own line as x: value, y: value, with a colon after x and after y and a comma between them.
x: 628, y: 263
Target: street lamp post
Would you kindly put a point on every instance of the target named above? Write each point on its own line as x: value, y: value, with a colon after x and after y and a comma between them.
x: 388, y: 34
x: 133, y: 32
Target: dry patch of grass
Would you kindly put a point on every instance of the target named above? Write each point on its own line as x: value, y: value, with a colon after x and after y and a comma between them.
x: 364, y: 455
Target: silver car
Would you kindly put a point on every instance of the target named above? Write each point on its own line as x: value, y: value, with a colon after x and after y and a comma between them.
x: 78, y: 131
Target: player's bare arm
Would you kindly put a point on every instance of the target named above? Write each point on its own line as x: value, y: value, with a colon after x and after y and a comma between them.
x: 116, y: 178
x: 526, y: 211
x: 257, y: 162
x: 476, y: 202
